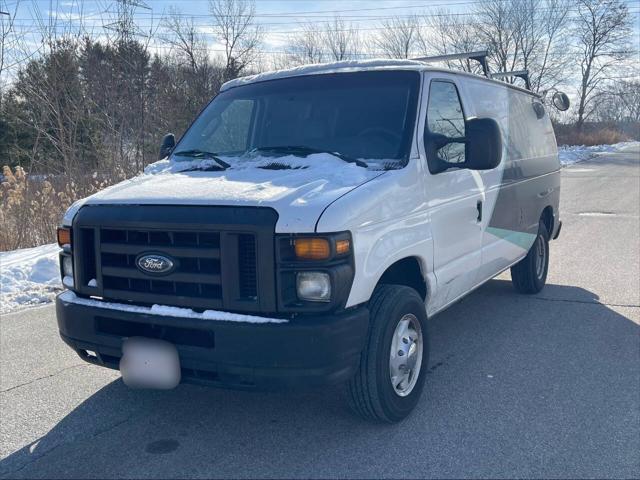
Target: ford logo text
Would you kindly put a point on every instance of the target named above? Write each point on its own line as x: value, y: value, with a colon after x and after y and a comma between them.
x: 154, y: 264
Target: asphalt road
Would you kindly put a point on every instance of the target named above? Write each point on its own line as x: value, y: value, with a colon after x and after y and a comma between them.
x: 542, y: 386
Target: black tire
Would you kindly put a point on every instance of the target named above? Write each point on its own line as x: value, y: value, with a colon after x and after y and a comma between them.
x: 370, y: 392
x: 529, y: 276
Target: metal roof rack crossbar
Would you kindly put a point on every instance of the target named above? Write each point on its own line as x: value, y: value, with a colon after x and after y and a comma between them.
x: 480, y: 56
x: 523, y: 74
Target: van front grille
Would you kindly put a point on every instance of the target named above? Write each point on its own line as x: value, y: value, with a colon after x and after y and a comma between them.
x: 247, y: 265
x: 196, y: 276
x: 214, y: 266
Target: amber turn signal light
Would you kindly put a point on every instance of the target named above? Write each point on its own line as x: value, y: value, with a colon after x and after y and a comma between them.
x: 64, y: 236
x: 312, y: 248
x: 343, y: 247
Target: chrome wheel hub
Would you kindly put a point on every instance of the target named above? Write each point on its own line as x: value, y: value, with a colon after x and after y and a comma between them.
x: 541, y: 257
x: 405, y: 358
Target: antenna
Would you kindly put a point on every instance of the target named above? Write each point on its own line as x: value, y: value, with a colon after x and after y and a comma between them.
x: 480, y: 56
x: 523, y: 74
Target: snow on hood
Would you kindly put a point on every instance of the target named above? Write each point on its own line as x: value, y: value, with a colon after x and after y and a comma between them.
x: 299, y: 192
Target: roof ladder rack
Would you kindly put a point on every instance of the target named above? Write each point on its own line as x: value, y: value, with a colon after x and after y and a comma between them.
x: 480, y: 56
x: 523, y: 74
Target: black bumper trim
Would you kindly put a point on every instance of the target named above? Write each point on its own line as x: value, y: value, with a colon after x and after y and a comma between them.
x: 557, y: 234
x: 306, y: 351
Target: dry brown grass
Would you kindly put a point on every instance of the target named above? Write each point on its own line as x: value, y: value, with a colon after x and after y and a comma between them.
x: 31, y: 208
x: 599, y: 137
x: 593, y: 134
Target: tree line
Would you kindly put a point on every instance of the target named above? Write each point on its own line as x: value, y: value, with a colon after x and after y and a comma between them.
x: 80, y: 102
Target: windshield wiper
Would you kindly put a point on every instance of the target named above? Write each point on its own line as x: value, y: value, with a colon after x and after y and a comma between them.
x: 204, y: 155
x: 304, y: 151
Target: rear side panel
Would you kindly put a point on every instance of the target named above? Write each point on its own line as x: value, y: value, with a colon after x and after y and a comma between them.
x: 526, y: 182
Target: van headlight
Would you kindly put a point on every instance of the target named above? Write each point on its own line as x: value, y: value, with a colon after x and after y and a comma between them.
x: 67, y: 266
x: 313, y: 286
x: 314, y: 271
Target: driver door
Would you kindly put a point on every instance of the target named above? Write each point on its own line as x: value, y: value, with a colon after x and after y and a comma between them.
x: 455, y: 197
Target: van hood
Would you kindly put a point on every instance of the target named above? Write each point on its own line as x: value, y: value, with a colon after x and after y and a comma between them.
x: 299, y: 189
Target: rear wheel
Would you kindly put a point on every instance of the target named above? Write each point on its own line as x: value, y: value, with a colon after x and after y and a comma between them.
x: 390, y: 378
x: 529, y: 275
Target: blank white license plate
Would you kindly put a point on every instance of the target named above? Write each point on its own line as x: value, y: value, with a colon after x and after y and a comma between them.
x: 149, y: 363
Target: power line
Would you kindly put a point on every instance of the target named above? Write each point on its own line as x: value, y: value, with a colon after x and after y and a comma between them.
x: 333, y: 12
x: 328, y: 30
x: 195, y: 17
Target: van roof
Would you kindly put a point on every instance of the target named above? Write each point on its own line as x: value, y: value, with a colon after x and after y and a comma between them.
x: 357, y: 66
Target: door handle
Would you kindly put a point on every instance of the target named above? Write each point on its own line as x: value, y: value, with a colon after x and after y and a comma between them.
x: 479, y: 207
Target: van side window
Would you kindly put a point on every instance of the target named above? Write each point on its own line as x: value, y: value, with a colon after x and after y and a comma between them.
x: 445, y: 117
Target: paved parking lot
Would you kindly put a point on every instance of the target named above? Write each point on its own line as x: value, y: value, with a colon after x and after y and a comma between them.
x: 542, y: 386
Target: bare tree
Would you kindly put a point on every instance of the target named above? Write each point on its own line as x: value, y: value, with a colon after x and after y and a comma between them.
x: 342, y: 41
x: 7, y: 27
x: 234, y: 25
x: 497, y: 29
x: 618, y: 103
x: 198, y: 76
x: 52, y: 86
x: 602, y: 30
x: 520, y: 34
x: 398, y: 37
x: 51, y: 83
x: 306, y: 46
x: 443, y: 33
x: 543, y: 36
x: 183, y: 36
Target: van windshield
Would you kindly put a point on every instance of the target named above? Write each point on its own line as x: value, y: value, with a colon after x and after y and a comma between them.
x: 365, y: 116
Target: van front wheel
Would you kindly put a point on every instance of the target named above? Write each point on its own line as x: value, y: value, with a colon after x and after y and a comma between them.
x: 529, y: 275
x: 390, y: 378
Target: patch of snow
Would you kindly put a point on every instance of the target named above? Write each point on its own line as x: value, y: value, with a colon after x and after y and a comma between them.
x: 313, y: 182
x: 29, y: 276
x: 342, y: 66
x: 300, y: 192
x: 570, y: 154
x: 67, y: 281
x: 315, y: 163
x: 167, y: 311
x: 92, y: 283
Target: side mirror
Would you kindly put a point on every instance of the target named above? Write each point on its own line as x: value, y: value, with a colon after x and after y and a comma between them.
x: 167, y: 146
x: 481, y: 145
x: 560, y: 101
x: 484, y: 144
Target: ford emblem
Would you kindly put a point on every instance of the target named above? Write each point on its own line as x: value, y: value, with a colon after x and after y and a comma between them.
x: 154, y: 264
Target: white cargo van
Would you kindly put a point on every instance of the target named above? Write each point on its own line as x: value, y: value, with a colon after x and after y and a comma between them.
x: 307, y: 225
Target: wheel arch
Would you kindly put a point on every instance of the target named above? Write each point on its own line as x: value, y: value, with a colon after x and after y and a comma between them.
x: 548, y: 218
x: 407, y: 271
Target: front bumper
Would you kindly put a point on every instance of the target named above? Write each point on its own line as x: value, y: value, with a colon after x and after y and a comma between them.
x: 305, y: 351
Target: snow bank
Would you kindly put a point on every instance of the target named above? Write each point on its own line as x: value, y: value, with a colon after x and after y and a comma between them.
x: 570, y: 154
x: 28, y: 277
